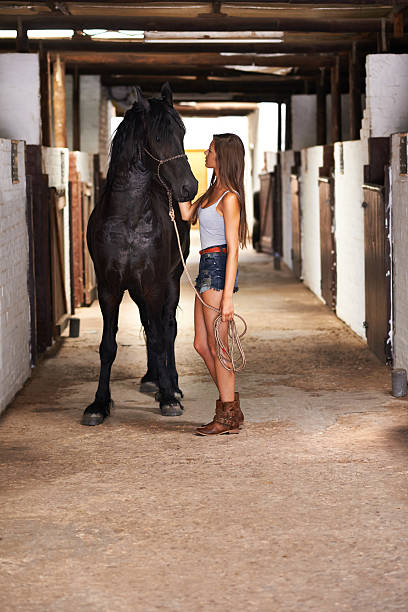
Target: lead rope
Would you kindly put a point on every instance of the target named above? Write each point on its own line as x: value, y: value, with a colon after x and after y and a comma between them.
x: 225, y: 353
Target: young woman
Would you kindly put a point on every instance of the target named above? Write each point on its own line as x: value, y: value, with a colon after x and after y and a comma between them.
x: 223, y: 228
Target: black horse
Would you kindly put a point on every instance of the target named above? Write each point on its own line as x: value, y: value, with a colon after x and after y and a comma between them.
x: 133, y: 245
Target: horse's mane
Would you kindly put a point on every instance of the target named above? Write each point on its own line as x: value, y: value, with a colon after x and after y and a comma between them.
x: 129, y: 136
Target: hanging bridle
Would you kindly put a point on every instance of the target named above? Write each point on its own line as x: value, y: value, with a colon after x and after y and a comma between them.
x: 225, y: 355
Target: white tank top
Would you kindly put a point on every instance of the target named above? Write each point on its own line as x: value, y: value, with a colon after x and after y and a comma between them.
x: 212, y: 226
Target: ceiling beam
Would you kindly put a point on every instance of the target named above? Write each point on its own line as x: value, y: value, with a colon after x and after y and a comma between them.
x: 99, y: 46
x: 203, y: 23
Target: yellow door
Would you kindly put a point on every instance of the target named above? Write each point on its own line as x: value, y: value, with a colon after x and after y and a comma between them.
x: 196, y: 159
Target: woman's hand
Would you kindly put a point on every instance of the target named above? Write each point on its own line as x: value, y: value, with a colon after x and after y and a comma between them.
x: 227, y: 308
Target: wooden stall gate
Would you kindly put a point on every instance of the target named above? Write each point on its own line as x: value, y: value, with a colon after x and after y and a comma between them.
x: 39, y: 253
x: 377, y: 251
x: 296, y: 217
x: 48, y: 302
x: 83, y: 281
x: 327, y: 229
x: 266, y: 212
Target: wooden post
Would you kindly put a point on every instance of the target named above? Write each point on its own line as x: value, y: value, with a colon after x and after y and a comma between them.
x: 288, y: 129
x: 355, y: 94
x: 399, y: 24
x: 321, y: 109
x: 59, y: 103
x: 45, y: 98
x: 335, y: 102
x: 22, y: 38
x: 279, y: 144
x: 76, y: 114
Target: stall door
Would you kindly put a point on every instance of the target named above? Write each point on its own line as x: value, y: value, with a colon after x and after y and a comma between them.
x: 266, y: 212
x: 327, y: 242
x: 377, y: 271
x: 296, y: 226
x: 59, y: 298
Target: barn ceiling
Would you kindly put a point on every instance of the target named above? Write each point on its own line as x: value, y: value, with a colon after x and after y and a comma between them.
x: 237, y: 51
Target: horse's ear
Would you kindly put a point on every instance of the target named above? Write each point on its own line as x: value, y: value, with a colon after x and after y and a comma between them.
x: 166, y: 93
x: 140, y: 101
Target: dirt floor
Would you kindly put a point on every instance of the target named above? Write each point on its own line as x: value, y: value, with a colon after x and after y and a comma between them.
x: 305, y: 510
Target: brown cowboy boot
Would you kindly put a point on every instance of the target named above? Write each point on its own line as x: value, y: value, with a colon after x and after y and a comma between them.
x: 241, y: 414
x: 226, y: 420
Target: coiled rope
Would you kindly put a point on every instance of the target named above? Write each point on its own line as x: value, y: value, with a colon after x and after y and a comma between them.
x: 225, y: 352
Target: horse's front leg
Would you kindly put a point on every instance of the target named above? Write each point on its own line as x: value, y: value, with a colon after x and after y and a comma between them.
x: 96, y: 412
x: 149, y: 382
x: 170, y: 332
x: 170, y: 405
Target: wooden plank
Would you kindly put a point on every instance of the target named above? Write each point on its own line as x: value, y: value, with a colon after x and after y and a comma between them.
x: 321, y: 110
x: 76, y: 122
x: 327, y: 242
x: 59, y: 103
x: 59, y: 299
x: 277, y: 224
x: 77, y: 274
x: 206, y: 23
x: 377, y: 277
x: 45, y: 98
x: 335, y: 104
x: 356, y: 113
x: 296, y: 226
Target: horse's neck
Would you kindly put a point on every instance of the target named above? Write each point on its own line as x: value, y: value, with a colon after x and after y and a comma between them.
x: 130, y: 190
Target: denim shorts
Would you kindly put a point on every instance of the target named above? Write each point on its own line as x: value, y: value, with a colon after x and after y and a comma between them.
x: 211, y: 273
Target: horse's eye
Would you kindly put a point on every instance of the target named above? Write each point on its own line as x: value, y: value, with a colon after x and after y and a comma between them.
x: 157, y: 138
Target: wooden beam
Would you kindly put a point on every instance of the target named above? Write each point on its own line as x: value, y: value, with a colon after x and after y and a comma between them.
x: 302, y: 49
x: 21, y: 41
x: 321, y: 135
x: 76, y: 121
x: 399, y: 24
x: 203, y: 23
x: 335, y: 104
x: 355, y: 94
x: 45, y: 98
x: 59, y: 103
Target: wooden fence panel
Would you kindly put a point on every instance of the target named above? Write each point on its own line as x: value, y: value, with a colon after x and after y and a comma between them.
x: 266, y: 212
x: 327, y: 242
x: 296, y: 226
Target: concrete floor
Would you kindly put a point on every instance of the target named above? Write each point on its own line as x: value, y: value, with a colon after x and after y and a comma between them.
x: 305, y: 510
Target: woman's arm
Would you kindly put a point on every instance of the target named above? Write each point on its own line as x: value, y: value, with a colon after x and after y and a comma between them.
x: 231, y: 210
x: 186, y: 210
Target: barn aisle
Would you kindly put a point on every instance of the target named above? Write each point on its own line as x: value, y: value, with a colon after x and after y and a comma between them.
x: 305, y: 510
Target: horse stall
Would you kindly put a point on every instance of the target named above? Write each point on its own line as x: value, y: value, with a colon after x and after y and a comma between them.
x: 377, y: 249
x: 83, y: 176
x: 296, y: 217
x: 270, y: 212
x: 327, y: 229
x: 46, y: 171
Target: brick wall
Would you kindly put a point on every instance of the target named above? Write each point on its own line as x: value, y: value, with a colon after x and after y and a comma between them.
x: 400, y: 255
x: 14, y: 299
x: 349, y: 224
x: 386, y: 109
x: 312, y: 159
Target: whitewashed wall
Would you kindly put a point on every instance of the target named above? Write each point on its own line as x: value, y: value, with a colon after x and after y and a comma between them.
x: 55, y: 162
x: 287, y: 161
x: 349, y: 224
x: 20, y: 112
x: 400, y: 256
x: 312, y: 159
x: 386, y: 109
x: 90, y: 101
x: 14, y: 299
x: 303, y: 121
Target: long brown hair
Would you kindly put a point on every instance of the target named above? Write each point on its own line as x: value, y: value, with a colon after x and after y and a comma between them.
x: 230, y: 157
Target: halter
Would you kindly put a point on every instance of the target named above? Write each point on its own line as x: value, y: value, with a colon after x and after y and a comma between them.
x: 225, y: 354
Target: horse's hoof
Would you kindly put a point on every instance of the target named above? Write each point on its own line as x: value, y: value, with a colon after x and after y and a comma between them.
x: 92, y: 416
x: 178, y: 394
x: 171, y: 410
x: 148, y: 387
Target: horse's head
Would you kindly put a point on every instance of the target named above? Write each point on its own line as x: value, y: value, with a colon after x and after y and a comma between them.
x: 163, y: 139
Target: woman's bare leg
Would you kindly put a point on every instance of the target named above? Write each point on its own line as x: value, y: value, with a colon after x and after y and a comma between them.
x: 225, y: 379
x: 201, y: 340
